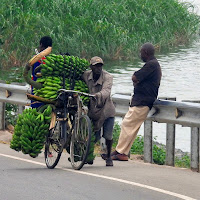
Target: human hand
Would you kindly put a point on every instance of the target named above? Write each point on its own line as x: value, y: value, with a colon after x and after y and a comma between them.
x: 75, y: 95
x: 95, y: 96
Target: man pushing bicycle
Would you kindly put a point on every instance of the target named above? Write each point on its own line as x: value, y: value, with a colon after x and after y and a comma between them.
x: 101, y: 110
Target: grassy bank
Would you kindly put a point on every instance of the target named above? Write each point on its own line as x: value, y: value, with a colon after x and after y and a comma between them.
x: 111, y: 29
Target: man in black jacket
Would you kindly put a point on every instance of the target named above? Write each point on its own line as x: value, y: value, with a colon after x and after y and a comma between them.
x: 146, y: 83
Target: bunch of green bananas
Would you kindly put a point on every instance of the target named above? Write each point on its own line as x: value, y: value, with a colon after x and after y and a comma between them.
x: 30, y: 131
x: 59, y: 65
x: 55, y: 68
x: 15, y: 143
x: 80, y: 86
x: 91, y: 155
x: 50, y: 87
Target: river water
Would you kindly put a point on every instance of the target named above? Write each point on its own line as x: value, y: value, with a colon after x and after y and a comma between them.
x: 180, y: 69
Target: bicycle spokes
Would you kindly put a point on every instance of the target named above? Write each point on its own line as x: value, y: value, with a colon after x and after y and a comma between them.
x: 53, y: 147
x: 80, y: 142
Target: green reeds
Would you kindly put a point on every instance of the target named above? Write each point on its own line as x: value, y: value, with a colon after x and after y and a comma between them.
x: 111, y: 29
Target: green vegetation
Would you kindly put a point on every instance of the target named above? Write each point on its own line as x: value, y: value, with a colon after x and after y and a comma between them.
x: 183, y: 162
x: 11, y: 113
x: 116, y: 132
x: 111, y: 29
x: 159, y: 152
x: 138, y: 145
x: 13, y: 75
x: 159, y: 155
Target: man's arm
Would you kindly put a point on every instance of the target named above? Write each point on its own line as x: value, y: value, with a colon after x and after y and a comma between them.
x: 135, y: 80
x: 144, y: 72
x: 105, y: 91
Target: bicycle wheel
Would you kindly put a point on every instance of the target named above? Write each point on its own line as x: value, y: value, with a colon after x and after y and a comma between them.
x: 80, y: 142
x: 53, y: 147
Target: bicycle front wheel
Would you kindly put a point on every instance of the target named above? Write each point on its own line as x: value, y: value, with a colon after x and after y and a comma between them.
x: 80, y: 142
x: 53, y: 147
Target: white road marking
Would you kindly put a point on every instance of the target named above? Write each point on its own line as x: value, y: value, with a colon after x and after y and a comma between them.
x: 108, y: 178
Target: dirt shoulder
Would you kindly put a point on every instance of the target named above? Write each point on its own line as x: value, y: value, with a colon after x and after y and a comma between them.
x: 5, y: 136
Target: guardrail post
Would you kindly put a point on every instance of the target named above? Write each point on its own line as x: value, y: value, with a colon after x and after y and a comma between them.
x: 148, y: 141
x: 103, y: 142
x: 170, y: 144
x: 194, y: 157
x: 20, y: 109
x: 2, y: 115
x: 199, y: 150
x: 170, y: 140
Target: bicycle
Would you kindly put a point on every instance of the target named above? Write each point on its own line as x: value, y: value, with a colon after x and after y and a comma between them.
x: 72, y: 130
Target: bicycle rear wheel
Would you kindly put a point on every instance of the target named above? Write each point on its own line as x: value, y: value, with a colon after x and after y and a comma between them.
x: 53, y: 147
x: 80, y: 142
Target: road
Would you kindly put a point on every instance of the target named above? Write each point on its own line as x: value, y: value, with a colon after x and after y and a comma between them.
x: 22, y: 177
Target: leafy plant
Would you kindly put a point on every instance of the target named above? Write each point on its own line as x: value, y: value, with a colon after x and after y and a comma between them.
x: 14, y: 74
x: 159, y: 155
x: 183, y: 162
x: 116, y: 133
x: 91, y: 154
x: 138, y: 145
x: 10, y: 113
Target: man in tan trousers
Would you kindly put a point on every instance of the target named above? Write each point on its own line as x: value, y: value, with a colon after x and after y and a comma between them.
x: 146, y: 83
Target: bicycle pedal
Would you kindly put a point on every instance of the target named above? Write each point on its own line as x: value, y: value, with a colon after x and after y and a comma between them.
x: 89, y: 162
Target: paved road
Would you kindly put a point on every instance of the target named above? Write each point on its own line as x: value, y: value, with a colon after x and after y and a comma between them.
x: 22, y: 177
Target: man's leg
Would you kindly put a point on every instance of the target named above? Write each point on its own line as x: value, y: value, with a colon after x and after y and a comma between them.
x: 97, y: 135
x: 107, y: 134
x: 109, y: 161
x: 130, y: 127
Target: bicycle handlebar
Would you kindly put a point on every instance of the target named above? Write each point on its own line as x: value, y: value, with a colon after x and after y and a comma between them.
x: 77, y: 92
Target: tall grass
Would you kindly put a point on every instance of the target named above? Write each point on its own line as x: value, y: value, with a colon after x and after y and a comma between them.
x: 111, y: 29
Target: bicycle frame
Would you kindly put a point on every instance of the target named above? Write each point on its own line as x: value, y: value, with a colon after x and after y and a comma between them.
x: 67, y: 97
x: 71, y: 113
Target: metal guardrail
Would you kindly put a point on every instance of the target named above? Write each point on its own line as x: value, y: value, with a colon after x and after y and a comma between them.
x: 171, y: 113
x: 15, y: 94
x: 163, y: 111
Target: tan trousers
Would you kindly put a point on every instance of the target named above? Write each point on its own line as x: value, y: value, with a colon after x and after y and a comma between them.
x: 130, y: 126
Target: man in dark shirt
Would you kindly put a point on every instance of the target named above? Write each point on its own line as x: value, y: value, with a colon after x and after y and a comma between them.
x: 146, y: 83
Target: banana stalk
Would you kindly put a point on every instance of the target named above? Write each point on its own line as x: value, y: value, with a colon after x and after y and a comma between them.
x: 39, y: 56
x: 36, y: 98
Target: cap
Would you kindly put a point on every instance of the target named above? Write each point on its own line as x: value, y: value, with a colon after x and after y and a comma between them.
x: 94, y: 60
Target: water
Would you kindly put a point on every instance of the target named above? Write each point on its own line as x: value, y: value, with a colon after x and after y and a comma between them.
x: 180, y: 69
